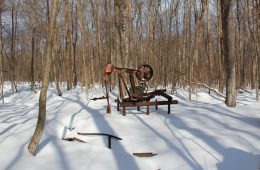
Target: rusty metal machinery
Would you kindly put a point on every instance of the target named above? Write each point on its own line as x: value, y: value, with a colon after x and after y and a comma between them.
x: 137, y: 95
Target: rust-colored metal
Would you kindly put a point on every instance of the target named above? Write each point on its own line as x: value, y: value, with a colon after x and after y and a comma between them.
x: 137, y: 95
x: 98, y: 98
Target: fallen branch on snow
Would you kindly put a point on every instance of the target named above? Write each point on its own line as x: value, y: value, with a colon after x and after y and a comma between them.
x: 206, y: 86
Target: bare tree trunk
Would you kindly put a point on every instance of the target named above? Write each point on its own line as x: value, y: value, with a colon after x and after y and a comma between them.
x: 83, y: 41
x: 251, y: 11
x: 188, y: 46
x: 220, y: 49
x: 13, y: 50
x: 93, y: 54
x: 118, y: 52
x: 98, y: 39
x: 33, y: 45
x: 209, y: 48
x: 257, y: 48
x: 1, y: 54
x: 56, y: 52
x: 32, y: 147
x: 126, y: 17
x: 228, y: 54
x: 198, y: 32
x: 75, y: 77
x: 55, y: 72
x: 112, y: 38
x: 149, y: 39
x: 68, y: 44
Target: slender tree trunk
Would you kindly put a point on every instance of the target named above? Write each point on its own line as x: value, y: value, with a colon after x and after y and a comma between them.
x: 56, y: 73
x: 98, y: 39
x: 118, y: 52
x: 149, y: 38
x: 228, y: 54
x: 93, y: 55
x: 188, y: 47
x: 127, y: 31
x: 257, y: 48
x: 254, y: 32
x: 68, y: 51
x: 112, y: 33
x: 56, y: 52
x: 13, y: 50
x: 209, y: 48
x: 1, y: 55
x: 198, y: 32
x: 33, y: 46
x: 83, y: 42
x: 220, y: 49
x: 32, y: 147
x: 75, y: 77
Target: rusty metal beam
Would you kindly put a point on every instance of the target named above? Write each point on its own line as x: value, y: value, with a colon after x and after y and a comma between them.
x: 130, y: 104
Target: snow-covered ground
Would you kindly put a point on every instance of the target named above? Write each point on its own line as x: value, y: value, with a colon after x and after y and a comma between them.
x: 198, y: 134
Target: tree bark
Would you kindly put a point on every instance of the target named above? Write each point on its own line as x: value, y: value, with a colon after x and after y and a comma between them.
x: 228, y: 54
x: 118, y: 49
x: 197, y: 41
x: 75, y: 77
x: 80, y: 14
x: 32, y: 147
x: 1, y: 54
x: 209, y: 48
x: 33, y: 46
x: 220, y: 49
x: 13, y: 50
x: 68, y: 50
x: 56, y: 52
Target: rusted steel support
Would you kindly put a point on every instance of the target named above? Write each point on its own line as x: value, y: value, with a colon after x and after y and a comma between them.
x: 137, y: 95
x: 109, y: 137
x: 130, y: 104
x: 124, y: 83
x: 124, y: 110
x: 147, y: 109
x: 121, y: 95
x: 117, y: 106
x: 169, y: 108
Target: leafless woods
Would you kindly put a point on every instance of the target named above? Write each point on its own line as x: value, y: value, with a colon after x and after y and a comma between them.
x: 186, y: 42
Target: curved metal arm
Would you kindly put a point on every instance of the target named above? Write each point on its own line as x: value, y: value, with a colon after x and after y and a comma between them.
x: 108, y: 70
x: 144, y: 73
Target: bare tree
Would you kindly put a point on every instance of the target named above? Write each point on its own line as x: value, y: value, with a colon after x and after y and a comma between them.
x: 228, y: 53
x: 75, y: 40
x: 80, y: 13
x: 13, y: 35
x: 198, y: 32
x: 252, y: 27
x: 183, y: 46
x: 1, y: 53
x: 68, y: 50
x: 33, y: 45
x: 32, y: 147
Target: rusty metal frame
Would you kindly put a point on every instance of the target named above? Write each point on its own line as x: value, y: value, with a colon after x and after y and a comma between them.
x: 134, y: 97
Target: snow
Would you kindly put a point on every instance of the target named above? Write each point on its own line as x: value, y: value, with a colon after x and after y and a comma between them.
x: 198, y: 134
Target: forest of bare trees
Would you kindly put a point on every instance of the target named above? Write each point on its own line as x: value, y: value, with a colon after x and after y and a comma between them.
x: 209, y: 43
x: 213, y: 44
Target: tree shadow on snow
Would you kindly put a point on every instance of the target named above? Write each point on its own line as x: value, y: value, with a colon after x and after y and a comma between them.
x: 239, y: 160
x: 230, y: 155
x: 104, y: 127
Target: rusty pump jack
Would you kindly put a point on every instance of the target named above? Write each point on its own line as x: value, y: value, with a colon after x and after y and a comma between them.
x: 137, y: 95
